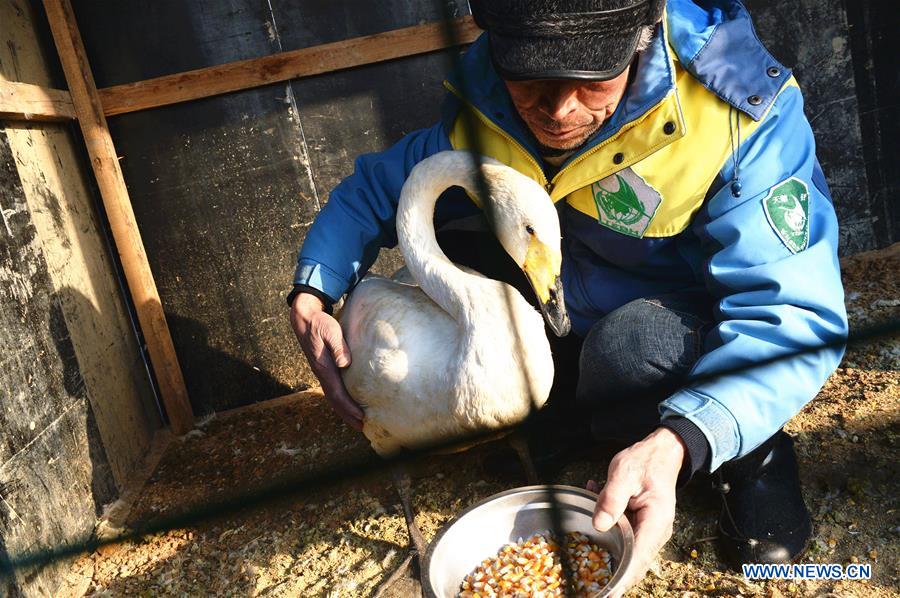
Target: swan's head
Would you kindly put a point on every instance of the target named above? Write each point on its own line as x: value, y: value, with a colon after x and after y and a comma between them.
x: 526, y: 223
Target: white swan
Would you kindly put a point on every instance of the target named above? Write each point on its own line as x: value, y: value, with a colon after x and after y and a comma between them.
x: 457, y: 353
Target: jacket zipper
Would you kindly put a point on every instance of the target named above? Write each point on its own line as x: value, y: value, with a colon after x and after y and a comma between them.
x: 626, y: 127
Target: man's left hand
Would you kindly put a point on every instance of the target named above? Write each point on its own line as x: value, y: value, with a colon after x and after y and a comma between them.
x: 641, y: 480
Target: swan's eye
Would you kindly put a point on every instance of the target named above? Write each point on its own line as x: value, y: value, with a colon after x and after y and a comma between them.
x: 529, y: 229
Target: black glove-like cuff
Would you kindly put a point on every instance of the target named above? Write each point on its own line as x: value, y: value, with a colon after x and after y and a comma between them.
x: 696, y: 443
x: 327, y: 301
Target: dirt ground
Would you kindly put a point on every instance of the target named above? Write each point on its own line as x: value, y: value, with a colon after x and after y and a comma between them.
x: 341, y: 539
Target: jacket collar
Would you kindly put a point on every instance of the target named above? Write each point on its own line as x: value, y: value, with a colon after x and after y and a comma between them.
x: 718, y: 46
x: 479, y: 84
x: 715, y: 43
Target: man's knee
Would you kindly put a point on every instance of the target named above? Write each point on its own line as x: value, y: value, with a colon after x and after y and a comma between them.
x: 646, y: 348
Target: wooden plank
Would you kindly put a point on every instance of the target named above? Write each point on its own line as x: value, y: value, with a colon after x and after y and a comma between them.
x: 219, y: 187
x: 23, y: 101
x: 112, y: 521
x: 119, y: 211
x: 325, y: 58
x: 49, y: 161
x: 296, y: 397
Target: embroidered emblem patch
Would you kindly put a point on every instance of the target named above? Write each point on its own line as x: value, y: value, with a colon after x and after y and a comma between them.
x: 626, y: 203
x: 787, y: 210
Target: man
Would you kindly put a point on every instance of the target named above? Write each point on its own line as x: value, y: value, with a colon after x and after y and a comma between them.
x: 699, y: 249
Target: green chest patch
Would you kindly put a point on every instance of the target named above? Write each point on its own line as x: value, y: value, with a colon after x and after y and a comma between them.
x: 626, y: 203
x: 787, y: 210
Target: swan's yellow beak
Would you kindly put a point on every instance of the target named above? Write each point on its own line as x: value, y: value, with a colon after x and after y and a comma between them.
x: 542, y: 266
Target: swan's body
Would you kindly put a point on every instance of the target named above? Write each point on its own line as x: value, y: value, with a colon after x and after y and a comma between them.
x: 455, y: 353
x: 421, y: 377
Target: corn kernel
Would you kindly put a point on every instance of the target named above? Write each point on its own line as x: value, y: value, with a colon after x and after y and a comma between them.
x: 533, y: 566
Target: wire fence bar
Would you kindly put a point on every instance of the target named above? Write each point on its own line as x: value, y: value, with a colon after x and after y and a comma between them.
x: 293, y: 485
x: 466, y: 118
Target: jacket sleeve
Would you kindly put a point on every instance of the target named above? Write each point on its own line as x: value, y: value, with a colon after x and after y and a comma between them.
x: 358, y: 218
x: 781, y: 321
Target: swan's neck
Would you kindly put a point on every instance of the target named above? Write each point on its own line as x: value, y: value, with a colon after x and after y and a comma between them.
x: 451, y: 288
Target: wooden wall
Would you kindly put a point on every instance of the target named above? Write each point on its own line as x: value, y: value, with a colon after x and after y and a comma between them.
x: 54, y: 474
x: 225, y: 188
x: 813, y: 38
x: 77, y: 413
x: 872, y: 38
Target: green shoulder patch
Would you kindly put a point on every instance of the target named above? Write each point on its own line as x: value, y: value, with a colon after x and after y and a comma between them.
x: 787, y: 210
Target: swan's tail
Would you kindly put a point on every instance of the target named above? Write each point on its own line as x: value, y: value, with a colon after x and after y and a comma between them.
x: 382, y: 442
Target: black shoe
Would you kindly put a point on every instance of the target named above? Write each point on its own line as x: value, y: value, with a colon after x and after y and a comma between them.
x: 764, y: 518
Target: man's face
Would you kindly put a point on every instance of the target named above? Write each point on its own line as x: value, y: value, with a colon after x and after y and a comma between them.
x: 562, y: 114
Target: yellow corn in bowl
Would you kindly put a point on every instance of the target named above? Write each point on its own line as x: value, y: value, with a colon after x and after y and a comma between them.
x: 480, y: 532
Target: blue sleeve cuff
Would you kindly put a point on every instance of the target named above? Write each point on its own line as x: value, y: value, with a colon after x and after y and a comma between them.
x: 714, y: 420
x: 322, y: 278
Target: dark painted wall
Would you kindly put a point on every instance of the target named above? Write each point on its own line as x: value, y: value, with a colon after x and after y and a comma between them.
x: 54, y: 474
x: 225, y: 188
x: 827, y: 53
x: 811, y: 38
x: 873, y: 27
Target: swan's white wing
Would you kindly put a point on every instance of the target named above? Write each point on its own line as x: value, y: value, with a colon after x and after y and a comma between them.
x: 403, y: 275
x: 402, y: 347
x: 422, y: 378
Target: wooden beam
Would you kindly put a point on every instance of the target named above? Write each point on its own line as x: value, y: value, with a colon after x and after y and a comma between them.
x: 325, y: 58
x: 118, y: 208
x: 112, y: 521
x: 23, y: 101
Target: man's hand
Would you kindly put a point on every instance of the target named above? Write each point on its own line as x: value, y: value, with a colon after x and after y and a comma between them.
x: 642, y: 480
x: 322, y: 341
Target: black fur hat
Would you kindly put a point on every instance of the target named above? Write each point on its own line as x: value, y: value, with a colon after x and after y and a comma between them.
x: 564, y: 39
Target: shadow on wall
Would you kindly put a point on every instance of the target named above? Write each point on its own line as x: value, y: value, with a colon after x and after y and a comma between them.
x: 213, y: 375
x: 7, y: 584
x: 103, y: 487
x: 55, y: 487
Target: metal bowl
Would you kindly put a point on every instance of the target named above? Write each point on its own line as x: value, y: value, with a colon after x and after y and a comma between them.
x: 482, y: 529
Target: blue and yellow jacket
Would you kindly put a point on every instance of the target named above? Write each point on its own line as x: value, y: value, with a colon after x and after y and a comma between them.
x: 649, y: 206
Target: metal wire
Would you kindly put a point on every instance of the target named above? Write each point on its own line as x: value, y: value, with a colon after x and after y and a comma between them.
x: 266, y: 494
x: 293, y: 485
x: 466, y: 120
